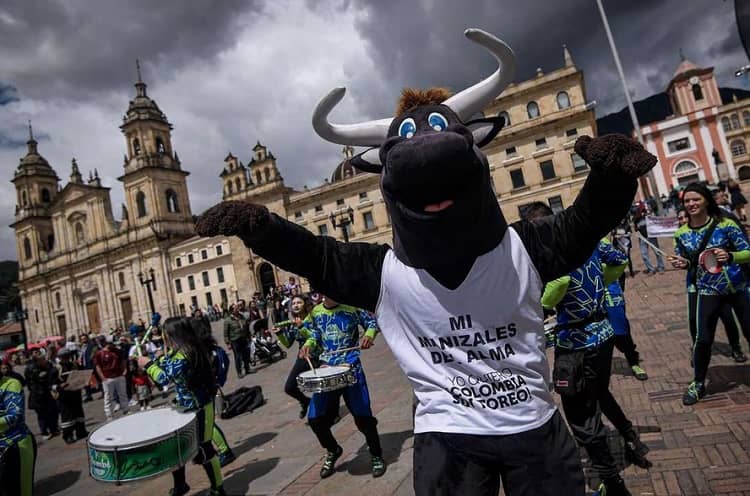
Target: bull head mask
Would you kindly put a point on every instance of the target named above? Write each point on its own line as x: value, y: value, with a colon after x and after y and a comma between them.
x: 435, y: 180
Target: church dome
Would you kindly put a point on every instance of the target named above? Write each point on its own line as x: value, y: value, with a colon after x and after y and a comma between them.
x: 345, y: 169
x: 33, y: 163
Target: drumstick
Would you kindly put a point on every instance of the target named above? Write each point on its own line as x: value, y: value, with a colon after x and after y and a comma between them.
x: 309, y: 362
x: 143, y: 340
x: 342, y: 350
x: 660, y: 250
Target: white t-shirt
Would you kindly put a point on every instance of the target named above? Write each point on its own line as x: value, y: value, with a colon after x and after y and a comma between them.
x: 474, y: 355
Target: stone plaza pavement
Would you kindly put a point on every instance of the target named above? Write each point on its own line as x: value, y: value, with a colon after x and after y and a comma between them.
x: 700, y: 450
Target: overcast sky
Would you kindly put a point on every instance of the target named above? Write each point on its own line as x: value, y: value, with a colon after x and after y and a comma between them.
x: 228, y: 73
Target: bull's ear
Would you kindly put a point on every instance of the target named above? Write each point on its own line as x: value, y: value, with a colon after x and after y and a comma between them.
x: 485, y: 129
x: 368, y: 161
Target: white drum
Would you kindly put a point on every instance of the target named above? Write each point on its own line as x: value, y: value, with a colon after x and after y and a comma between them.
x: 326, y: 379
x: 142, y: 445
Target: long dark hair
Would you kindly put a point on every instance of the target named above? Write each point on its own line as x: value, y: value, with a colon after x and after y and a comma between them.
x: 712, y: 208
x: 305, y: 309
x: 184, y: 337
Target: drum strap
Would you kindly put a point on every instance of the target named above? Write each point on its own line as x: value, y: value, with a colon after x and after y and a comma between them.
x: 692, y: 256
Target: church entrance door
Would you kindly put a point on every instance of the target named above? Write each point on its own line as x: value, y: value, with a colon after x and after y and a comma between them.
x: 92, y: 311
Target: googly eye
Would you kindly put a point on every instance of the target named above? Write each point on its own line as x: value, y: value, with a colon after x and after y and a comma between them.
x: 407, y: 128
x: 437, y: 121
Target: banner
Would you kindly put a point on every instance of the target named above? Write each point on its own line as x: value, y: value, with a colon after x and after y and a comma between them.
x: 661, y: 227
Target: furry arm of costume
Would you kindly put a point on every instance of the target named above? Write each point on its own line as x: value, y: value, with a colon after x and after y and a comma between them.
x: 350, y: 272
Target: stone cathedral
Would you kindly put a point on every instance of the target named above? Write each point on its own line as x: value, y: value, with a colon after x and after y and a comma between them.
x: 78, y: 266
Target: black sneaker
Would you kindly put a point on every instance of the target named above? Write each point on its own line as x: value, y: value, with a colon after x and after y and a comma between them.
x: 378, y: 466
x: 612, y: 487
x: 636, y: 450
x: 226, y: 458
x: 738, y: 356
x: 327, y: 469
x: 303, y: 411
x: 694, y: 393
x: 179, y: 491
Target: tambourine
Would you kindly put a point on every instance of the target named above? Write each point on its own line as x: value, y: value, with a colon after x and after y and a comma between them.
x: 709, y: 263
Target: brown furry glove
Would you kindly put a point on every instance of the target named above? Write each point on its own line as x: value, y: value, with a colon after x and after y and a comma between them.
x: 615, y: 153
x: 233, y: 218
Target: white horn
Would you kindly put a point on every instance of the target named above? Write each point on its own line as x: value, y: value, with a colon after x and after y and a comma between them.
x: 476, y: 98
x: 371, y: 133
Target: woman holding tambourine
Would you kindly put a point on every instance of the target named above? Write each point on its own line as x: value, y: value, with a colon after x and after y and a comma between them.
x: 709, y: 247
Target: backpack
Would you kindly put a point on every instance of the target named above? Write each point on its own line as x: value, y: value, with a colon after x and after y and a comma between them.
x: 221, y: 365
x: 245, y: 399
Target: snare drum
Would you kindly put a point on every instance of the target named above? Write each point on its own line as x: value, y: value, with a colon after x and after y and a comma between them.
x: 326, y: 379
x: 142, y: 445
x: 707, y: 260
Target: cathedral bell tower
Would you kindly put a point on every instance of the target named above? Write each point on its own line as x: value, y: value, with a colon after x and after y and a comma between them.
x: 36, y: 187
x: 155, y: 185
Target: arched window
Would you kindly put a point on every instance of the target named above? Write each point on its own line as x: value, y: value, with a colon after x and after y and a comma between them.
x: 50, y: 241
x: 229, y: 187
x: 160, y: 147
x: 238, y: 184
x: 746, y: 117
x: 136, y: 147
x: 45, y: 195
x: 685, y: 167
x: 172, y: 204
x: 267, y: 173
x: 140, y: 203
x: 121, y: 280
x: 26, y: 248
x: 697, y: 92
x: 258, y: 177
x: 24, y: 198
x: 725, y: 124
x: 505, y: 116
x: 58, y: 302
x: 80, y: 236
x: 738, y: 148
x: 563, y: 100
x: 744, y: 173
x: 532, y: 109
x: 735, y: 121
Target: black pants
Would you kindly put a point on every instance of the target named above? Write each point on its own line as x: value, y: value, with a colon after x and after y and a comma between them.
x: 46, y: 415
x: 703, y: 314
x: 17, y: 465
x: 291, y: 388
x: 584, y: 409
x: 726, y: 316
x: 241, y: 349
x: 72, y: 418
x: 540, y: 462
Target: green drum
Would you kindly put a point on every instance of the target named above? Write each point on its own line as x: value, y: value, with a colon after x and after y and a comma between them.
x: 142, y: 445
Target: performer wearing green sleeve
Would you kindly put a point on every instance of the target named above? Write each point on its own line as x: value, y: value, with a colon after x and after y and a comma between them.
x: 289, y: 333
x: 17, y: 444
x: 187, y: 364
x: 708, y: 229
x: 332, y: 327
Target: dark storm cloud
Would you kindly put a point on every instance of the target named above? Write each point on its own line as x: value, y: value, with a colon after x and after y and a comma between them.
x: 68, y: 49
x: 420, y: 43
x: 8, y: 94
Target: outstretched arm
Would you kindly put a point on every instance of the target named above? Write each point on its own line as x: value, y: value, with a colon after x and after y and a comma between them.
x: 560, y: 243
x: 348, y: 272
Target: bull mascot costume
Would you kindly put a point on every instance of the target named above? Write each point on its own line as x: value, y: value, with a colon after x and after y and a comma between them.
x: 458, y: 295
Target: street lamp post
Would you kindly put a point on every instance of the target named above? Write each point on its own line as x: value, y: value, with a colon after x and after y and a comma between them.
x: 148, y: 282
x: 343, y: 219
x: 651, y: 178
x: 20, y: 316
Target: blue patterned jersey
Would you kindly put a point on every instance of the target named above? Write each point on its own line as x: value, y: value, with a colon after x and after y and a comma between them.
x: 581, y: 321
x: 338, y: 328
x: 12, y: 410
x: 613, y: 296
x: 726, y: 235
x: 173, y: 367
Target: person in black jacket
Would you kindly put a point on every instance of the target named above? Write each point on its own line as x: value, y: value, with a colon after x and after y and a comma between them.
x: 457, y: 297
x: 41, y: 375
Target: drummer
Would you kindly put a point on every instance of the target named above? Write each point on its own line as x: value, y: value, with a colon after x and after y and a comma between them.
x: 709, y: 288
x: 17, y: 444
x: 333, y: 326
x: 188, y: 366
